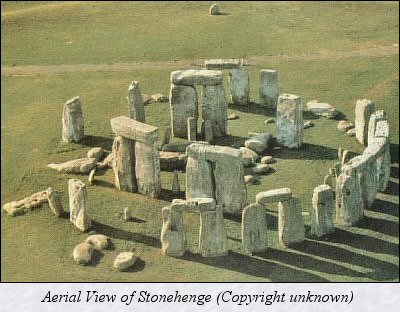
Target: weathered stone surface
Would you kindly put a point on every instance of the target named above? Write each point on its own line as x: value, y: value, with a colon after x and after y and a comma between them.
x: 351, y: 132
x: 239, y: 86
x: 107, y: 162
x: 269, y: 121
x: 124, y: 261
x: 81, y: 165
x: 83, y: 253
x: 345, y: 125
x: 170, y: 161
x: 254, y: 228
x: 289, y: 121
x: 258, y: 143
x: 78, y: 208
x: 177, y: 147
x: 183, y: 104
x: 233, y: 116
x: 72, y: 121
x: 193, y: 205
x: 332, y: 171
x: 128, y: 214
x: 330, y: 180
x: 176, y: 188
x: 372, y: 125
x: 269, y: 88
x: 215, y: 108
x: 345, y: 157
x: 96, y: 152
x: 146, y: 99
x: 173, y: 239
x: 208, y: 131
x: 323, y: 210
x: 349, y: 203
x: 19, y: 207
x: 268, y: 160
x: 147, y: 169
x: 214, y: 9
x: 91, y: 176
x: 158, y: 97
x: 134, y: 130
x: 135, y: 102
x: 290, y: 222
x: 271, y: 196
x: 192, y: 129
x: 191, y: 77
x: 260, y: 169
x: 54, y: 202
x: 338, y: 168
x: 363, y: 111
x: 382, y: 129
x: 322, y: 109
x: 98, y: 241
x: 308, y: 124
x: 124, y: 164
x: 220, y: 64
x: 249, y: 179
x: 340, y: 153
x: 212, y: 237
x: 167, y: 136
x: 249, y: 157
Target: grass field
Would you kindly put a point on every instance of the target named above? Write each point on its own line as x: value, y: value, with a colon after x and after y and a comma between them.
x: 52, y: 51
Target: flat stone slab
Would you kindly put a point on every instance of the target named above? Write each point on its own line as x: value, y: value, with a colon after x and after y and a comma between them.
x: 322, y: 109
x: 134, y: 130
x: 223, y: 63
x: 124, y: 261
x: 193, y: 205
x: 345, y: 125
x: 272, y: 196
x: 191, y: 77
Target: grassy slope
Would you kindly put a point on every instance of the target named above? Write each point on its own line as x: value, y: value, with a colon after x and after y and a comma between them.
x: 38, y: 247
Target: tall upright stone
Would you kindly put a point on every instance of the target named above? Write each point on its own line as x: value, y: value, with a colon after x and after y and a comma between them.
x: 135, y: 102
x: 323, y: 211
x: 372, y: 125
x: 176, y: 188
x: 183, y: 104
x: 192, y: 129
x: 212, y: 237
x: 363, y: 111
x: 215, y: 109
x: 290, y: 222
x: 173, y: 239
x: 269, y: 88
x: 72, y: 121
x: 289, y: 121
x: 239, y: 86
x: 254, y: 228
x: 124, y: 162
x: 78, y: 207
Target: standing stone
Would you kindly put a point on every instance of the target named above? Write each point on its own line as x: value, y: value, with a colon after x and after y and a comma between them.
x: 290, y: 222
x: 147, y: 169
x: 54, y: 202
x: 239, y: 86
x: 72, y: 121
x: 192, y: 129
x: 78, y: 205
x: 323, y: 211
x: 384, y: 172
x: 349, y: 203
x: 372, y: 125
x: 124, y: 164
x: 254, y: 228
x: 329, y: 180
x: 183, y: 104
x: 176, y: 189
x: 215, y: 109
x: 338, y: 168
x: 128, y: 215
x: 135, y: 102
x: 269, y: 88
x: 208, y: 131
x: 212, y: 237
x: 91, y: 176
x: 345, y: 157
x: 363, y: 111
x: 340, y: 153
x: 214, y: 9
x: 173, y: 239
x: 289, y: 121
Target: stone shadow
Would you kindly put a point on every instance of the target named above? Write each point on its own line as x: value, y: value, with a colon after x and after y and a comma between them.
x: 230, y: 140
x: 97, y: 141
x: 394, y: 172
x: 386, y: 207
x: 394, y: 153
x: 379, y: 225
x: 253, y: 108
x: 381, y: 270
x: 138, y: 266
x: 168, y: 195
x: 306, y: 151
x: 262, y: 268
x: 117, y: 233
x: 392, y: 189
x: 96, y: 258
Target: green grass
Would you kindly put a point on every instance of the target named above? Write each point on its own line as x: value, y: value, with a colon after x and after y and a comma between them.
x: 38, y: 247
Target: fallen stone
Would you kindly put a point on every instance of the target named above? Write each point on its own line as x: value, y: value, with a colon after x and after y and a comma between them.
x: 268, y: 160
x: 271, y: 196
x: 260, y: 169
x: 269, y: 121
x: 158, y: 97
x: 15, y: 208
x: 83, y: 253
x: 345, y: 125
x: 249, y: 157
x: 146, y: 99
x: 171, y: 161
x: 98, y: 241
x: 81, y: 165
x: 351, y: 132
x: 96, y: 152
x: 124, y: 261
x: 191, y: 77
x: 322, y: 109
x: 249, y: 179
x: 233, y: 116
x: 258, y: 143
x: 107, y: 162
x: 308, y: 124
